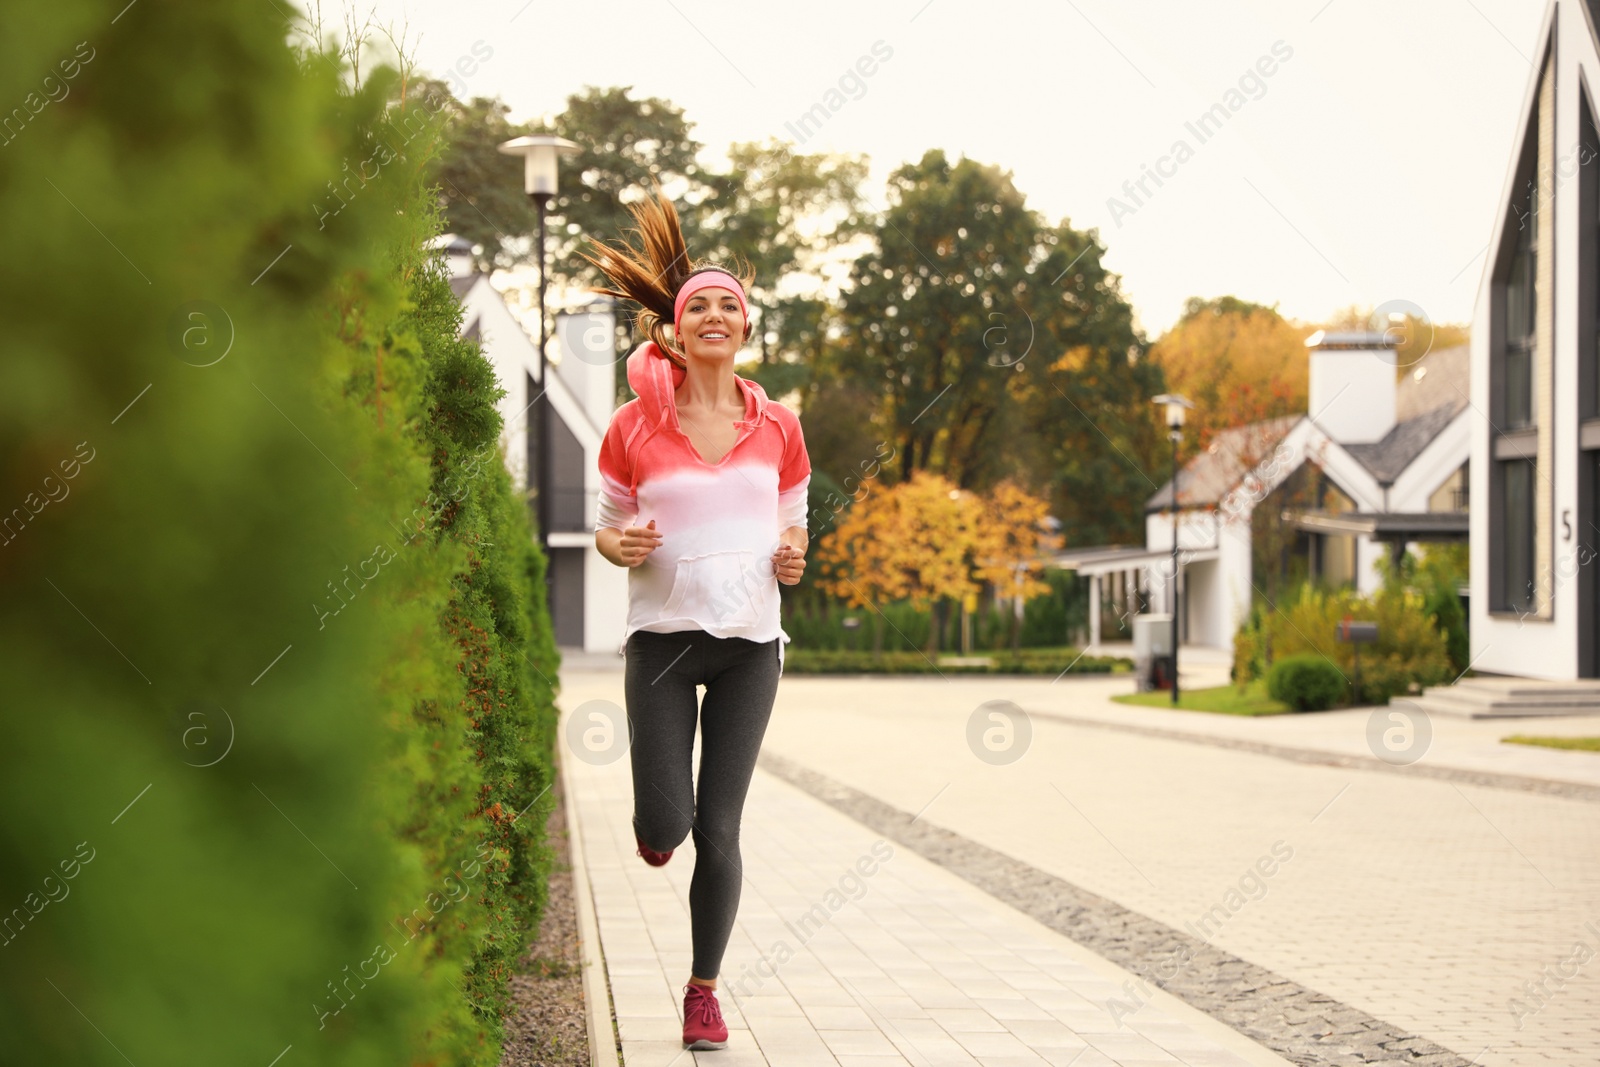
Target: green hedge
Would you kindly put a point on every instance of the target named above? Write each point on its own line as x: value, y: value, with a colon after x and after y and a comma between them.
x: 498, y: 622
x: 1028, y: 661
x: 1048, y: 621
x: 277, y: 710
x: 1306, y: 682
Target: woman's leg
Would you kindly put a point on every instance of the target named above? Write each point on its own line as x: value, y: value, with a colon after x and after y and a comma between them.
x: 741, y: 679
x: 662, y: 707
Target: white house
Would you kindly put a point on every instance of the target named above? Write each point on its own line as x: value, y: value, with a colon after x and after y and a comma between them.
x: 588, y: 595
x: 1375, y: 464
x: 1536, y: 375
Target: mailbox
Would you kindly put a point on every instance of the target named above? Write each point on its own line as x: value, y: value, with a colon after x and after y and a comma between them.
x: 1357, y: 633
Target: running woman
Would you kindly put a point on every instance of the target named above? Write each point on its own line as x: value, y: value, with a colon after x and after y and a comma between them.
x: 703, y: 496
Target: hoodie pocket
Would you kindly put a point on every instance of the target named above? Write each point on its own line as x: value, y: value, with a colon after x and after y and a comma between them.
x: 725, y: 589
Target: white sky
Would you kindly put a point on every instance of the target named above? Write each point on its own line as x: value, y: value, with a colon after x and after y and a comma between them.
x: 1383, y: 140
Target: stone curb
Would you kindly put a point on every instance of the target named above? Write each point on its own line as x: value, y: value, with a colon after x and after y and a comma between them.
x: 1323, y: 757
x: 596, y: 980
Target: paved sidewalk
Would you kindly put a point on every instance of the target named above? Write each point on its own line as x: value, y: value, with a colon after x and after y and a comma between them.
x: 852, y: 951
x: 1450, y: 910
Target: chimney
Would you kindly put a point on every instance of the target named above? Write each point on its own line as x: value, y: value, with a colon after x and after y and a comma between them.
x: 457, y: 254
x: 1352, y: 387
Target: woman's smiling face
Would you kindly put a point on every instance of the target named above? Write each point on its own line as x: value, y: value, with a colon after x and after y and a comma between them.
x: 713, y: 324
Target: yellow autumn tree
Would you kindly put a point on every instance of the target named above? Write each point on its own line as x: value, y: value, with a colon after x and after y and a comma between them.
x: 855, y: 562
x: 1239, y: 362
x: 1013, y: 546
x: 939, y: 531
x: 928, y: 541
x: 913, y: 541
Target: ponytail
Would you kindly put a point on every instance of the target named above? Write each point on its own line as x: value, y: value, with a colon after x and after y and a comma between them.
x: 651, y: 274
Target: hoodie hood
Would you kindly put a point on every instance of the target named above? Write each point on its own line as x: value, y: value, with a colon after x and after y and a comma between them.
x: 655, y: 378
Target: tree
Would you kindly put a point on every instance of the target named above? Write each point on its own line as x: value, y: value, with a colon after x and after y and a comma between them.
x: 928, y: 305
x: 1239, y: 362
x: 481, y: 186
x: 1414, y: 335
x: 625, y: 146
x: 857, y: 562
x: 1012, y: 547
x: 929, y: 542
x: 780, y: 212
x: 998, y: 346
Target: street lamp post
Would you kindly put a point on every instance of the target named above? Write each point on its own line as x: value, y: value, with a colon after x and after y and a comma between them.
x: 540, y: 156
x: 1175, y: 406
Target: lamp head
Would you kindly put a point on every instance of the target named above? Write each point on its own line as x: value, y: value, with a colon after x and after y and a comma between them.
x: 1175, y: 407
x: 540, y: 154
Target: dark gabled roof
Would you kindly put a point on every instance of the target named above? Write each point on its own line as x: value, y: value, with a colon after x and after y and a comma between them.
x: 1387, y: 458
x: 1428, y: 395
x: 461, y: 283
x: 1232, y: 454
x: 1442, y: 376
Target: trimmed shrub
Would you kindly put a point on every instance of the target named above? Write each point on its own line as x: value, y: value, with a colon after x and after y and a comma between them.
x: 210, y: 664
x: 1306, y: 682
x: 479, y: 808
x: 250, y: 825
x: 904, y: 628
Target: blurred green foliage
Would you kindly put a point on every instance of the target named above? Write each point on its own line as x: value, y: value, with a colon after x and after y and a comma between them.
x: 276, y: 649
x: 1439, y: 576
x: 1306, y: 682
x: 1409, y: 654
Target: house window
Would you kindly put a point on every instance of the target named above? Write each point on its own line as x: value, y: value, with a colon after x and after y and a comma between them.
x: 1521, y: 319
x: 1517, y: 592
x: 1588, y: 262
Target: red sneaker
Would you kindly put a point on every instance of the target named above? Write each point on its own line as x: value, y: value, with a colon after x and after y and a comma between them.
x: 703, y: 1027
x: 651, y: 856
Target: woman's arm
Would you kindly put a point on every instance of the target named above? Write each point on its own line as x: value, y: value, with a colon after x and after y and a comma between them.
x: 627, y: 547
x: 789, y: 559
x: 796, y: 536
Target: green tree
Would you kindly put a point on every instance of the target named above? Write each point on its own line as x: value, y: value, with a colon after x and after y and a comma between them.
x: 997, y: 346
x: 626, y: 145
x: 781, y: 212
x: 481, y: 186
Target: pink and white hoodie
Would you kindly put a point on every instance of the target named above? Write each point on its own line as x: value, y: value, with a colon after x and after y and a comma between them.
x: 719, y: 521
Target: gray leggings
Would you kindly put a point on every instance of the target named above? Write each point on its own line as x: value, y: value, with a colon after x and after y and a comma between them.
x: 741, y: 680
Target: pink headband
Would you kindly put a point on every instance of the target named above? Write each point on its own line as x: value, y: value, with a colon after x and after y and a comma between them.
x: 711, y: 279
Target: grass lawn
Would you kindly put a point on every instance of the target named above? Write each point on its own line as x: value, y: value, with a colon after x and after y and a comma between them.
x: 1224, y: 699
x: 1582, y: 744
